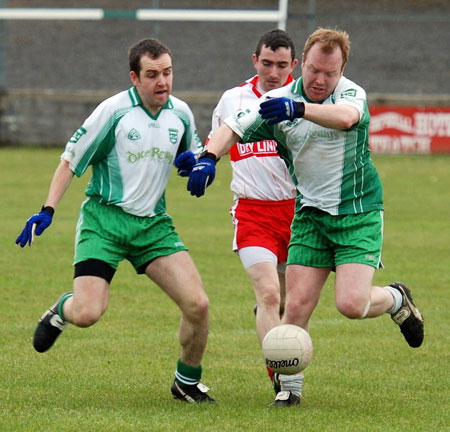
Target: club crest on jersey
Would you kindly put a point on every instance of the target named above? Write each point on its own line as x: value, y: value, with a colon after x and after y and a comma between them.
x: 77, y: 135
x: 173, y: 136
x: 134, y: 135
x: 241, y: 113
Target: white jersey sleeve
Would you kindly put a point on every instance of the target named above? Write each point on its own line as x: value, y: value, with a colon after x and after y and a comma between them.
x: 95, y: 138
x: 354, y: 96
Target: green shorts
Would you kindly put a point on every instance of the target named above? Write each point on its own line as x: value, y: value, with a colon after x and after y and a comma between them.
x: 321, y: 240
x: 109, y: 234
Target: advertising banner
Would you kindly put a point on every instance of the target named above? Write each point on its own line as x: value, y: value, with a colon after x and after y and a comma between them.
x: 407, y: 129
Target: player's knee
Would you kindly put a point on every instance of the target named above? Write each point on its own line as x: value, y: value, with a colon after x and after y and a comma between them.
x: 292, y: 312
x: 353, y: 309
x: 85, y: 317
x: 270, y: 298
x: 202, y: 306
x: 196, y: 309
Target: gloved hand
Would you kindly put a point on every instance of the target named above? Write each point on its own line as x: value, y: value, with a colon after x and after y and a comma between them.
x: 41, y: 220
x: 202, y: 174
x: 185, y: 162
x: 276, y: 110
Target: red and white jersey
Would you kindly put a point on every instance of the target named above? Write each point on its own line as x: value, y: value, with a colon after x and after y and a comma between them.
x: 258, y: 170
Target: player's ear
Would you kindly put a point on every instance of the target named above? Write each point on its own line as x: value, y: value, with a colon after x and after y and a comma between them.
x: 134, y: 78
x: 255, y: 59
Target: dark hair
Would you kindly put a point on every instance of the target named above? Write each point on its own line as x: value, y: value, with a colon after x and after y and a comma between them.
x: 275, y: 39
x: 152, y: 47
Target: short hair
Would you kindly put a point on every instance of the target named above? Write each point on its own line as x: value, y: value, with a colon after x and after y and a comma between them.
x: 275, y: 39
x: 151, y: 47
x: 330, y: 39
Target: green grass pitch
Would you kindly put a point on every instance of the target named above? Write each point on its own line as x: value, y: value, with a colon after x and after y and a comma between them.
x: 116, y: 375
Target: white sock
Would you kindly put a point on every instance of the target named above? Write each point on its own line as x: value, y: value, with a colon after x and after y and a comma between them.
x: 292, y: 383
x: 398, y: 299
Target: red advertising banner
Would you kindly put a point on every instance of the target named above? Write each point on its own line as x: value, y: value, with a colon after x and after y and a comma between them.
x: 405, y: 129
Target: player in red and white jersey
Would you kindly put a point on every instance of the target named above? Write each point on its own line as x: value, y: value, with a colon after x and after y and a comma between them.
x: 258, y: 171
x: 264, y: 192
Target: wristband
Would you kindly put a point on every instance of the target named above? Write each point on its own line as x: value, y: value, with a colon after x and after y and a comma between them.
x: 300, y: 109
x: 48, y: 209
x: 207, y: 155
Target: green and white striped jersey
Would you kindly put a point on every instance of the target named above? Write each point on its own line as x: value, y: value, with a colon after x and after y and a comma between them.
x: 332, y: 168
x: 131, y: 151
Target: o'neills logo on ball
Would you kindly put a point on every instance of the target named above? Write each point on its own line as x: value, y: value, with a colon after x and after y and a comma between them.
x: 277, y: 364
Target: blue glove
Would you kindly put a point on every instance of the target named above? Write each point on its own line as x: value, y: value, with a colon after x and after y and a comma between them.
x: 276, y: 110
x: 202, y: 174
x: 42, y: 220
x: 185, y: 162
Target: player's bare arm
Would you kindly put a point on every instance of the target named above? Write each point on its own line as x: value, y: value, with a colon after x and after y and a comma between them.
x: 60, y: 182
x: 204, y: 171
x: 39, y: 222
x: 222, y: 140
x: 339, y: 117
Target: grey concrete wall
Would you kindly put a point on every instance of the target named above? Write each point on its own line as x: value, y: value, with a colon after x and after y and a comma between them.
x: 55, y: 72
x: 50, y: 117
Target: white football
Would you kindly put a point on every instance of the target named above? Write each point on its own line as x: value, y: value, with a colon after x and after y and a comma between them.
x: 287, y: 349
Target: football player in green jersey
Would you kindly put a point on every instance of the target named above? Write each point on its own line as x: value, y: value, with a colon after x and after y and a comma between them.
x: 321, y: 124
x: 131, y: 140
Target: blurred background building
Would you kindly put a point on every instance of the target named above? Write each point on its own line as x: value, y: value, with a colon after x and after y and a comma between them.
x: 54, y: 72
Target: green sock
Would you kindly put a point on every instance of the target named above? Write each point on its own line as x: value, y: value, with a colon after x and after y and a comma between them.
x: 61, y: 302
x: 186, y: 374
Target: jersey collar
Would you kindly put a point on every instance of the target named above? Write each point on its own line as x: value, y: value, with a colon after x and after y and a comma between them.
x: 254, y: 83
x: 137, y: 101
x: 134, y: 96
